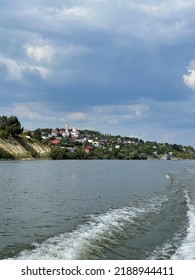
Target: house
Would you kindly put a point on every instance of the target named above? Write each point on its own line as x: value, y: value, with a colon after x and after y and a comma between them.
x: 55, y: 141
x: 63, y: 133
x: 54, y: 132
x: 70, y: 149
x: 96, y: 143
x: 88, y: 149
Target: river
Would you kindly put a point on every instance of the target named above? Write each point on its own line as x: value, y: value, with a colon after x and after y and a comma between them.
x: 95, y: 209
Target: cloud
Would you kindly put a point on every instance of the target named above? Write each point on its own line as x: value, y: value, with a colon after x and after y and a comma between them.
x: 116, y: 114
x: 77, y: 11
x: 152, y: 22
x: 74, y: 116
x: 61, y: 63
x: 116, y: 66
x: 42, y: 53
x: 13, y: 67
x: 17, y: 69
x: 165, y: 8
x: 138, y: 110
x: 23, y: 111
x: 189, y: 79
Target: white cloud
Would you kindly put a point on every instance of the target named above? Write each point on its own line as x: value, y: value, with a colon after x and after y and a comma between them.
x: 23, y: 111
x: 40, y: 53
x: 167, y: 7
x: 75, y: 116
x: 16, y: 69
x: 151, y: 21
x: 59, y: 62
x: 165, y: 22
x: 189, y: 79
x: 74, y: 11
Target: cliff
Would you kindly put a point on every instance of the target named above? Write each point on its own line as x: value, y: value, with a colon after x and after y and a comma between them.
x: 23, y: 148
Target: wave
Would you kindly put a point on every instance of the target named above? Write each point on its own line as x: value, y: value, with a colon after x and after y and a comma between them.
x: 182, y: 245
x: 187, y: 248
x: 101, y: 233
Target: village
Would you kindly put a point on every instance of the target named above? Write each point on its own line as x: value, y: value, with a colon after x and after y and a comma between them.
x: 73, y: 143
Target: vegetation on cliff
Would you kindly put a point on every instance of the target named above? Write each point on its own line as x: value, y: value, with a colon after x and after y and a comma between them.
x: 15, y: 145
x: 9, y: 126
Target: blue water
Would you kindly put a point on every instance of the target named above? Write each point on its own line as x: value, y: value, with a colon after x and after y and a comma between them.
x: 97, y: 209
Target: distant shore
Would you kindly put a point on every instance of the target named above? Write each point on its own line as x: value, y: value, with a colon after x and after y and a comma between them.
x: 64, y: 144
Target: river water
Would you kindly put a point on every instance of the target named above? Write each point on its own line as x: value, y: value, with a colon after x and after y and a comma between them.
x: 83, y: 209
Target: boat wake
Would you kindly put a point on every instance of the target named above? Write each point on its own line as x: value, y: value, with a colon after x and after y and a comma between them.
x: 181, y: 245
x: 187, y: 248
x: 158, y: 227
x: 101, y: 233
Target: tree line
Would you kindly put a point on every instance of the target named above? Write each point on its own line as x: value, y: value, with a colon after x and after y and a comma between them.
x: 10, y: 126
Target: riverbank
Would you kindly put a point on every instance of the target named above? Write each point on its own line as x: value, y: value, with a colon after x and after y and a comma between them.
x: 90, y: 146
x: 21, y: 148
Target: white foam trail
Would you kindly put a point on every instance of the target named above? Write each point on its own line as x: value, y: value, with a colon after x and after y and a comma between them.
x: 187, y: 249
x: 167, y: 249
x: 98, y: 235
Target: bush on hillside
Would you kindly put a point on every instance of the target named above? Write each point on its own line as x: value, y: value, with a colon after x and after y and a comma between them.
x: 10, y: 125
x: 5, y: 155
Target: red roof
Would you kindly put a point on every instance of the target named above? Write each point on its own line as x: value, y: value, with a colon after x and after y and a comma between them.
x: 55, y: 141
x: 88, y: 148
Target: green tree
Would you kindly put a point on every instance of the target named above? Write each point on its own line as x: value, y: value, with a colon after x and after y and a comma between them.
x: 55, y: 152
x: 3, y: 122
x: 58, y: 153
x: 14, y: 126
x: 10, y: 125
x: 37, y: 134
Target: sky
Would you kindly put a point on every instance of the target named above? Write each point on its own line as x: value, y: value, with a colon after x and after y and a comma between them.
x: 122, y: 67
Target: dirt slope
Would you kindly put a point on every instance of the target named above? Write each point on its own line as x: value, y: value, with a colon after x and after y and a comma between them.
x: 24, y: 148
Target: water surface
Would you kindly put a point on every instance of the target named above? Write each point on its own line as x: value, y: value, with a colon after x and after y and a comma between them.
x: 79, y: 209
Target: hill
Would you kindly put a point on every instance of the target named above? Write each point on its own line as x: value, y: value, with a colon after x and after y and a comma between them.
x: 94, y: 145
x: 71, y: 143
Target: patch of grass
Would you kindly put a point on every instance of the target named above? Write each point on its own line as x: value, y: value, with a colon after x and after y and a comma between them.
x: 5, y: 155
x: 3, y: 134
